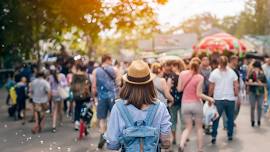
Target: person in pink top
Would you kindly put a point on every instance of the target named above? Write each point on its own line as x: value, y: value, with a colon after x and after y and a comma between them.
x: 191, y: 84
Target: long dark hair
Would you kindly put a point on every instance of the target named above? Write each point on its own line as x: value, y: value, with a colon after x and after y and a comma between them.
x: 54, y: 74
x: 138, y: 95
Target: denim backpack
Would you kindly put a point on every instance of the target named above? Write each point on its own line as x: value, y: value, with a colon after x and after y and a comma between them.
x: 139, y: 136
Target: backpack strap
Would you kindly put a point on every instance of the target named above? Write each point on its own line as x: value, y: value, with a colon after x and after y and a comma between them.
x: 151, y: 114
x: 124, y: 112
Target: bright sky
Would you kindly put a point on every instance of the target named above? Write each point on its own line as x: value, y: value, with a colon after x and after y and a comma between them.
x: 175, y: 11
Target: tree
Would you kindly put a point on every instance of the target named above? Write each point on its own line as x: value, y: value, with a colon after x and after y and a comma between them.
x: 24, y: 23
x: 200, y: 23
x: 253, y: 20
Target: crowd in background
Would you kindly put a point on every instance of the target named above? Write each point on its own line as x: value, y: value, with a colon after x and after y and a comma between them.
x: 198, y: 91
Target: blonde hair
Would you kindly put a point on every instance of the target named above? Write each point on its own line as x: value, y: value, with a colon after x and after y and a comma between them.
x: 195, y: 64
x: 223, y: 61
x: 180, y: 64
x: 156, y: 68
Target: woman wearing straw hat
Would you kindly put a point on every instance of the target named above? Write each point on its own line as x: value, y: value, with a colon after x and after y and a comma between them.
x: 138, y: 99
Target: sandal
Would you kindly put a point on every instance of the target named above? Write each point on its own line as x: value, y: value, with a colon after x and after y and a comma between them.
x: 35, y: 130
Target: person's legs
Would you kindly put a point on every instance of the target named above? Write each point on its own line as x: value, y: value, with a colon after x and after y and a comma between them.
x: 199, y: 128
x: 77, y: 113
x: 37, y: 127
x: 236, y: 110
x: 229, y: 110
x: 186, y: 132
x: 55, y: 106
x: 103, y: 108
x: 102, y: 112
x: 7, y: 99
x: 24, y: 111
x: 65, y: 106
x: 32, y: 110
x: 220, y: 106
x: 252, y: 100
x: 19, y: 108
x: 182, y: 127
x: 198, y: 115
x: 259, y: 108
x: 42, y: 115
x: 24, y: 116
x: 60, y: 111
x: 174, y: 111
x: 71, y: 105
x: 225, y: 121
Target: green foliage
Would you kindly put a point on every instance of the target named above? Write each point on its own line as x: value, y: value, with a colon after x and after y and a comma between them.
x: 200, y: 23
x: 24, y: 23
x: 253, y: 20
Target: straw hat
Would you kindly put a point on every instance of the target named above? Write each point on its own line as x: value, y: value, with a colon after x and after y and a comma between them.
x: 138, y: 73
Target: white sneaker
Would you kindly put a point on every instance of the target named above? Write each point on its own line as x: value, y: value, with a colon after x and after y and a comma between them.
x: 76, y: 125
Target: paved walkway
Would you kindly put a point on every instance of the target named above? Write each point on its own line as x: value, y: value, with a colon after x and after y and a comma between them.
x: 17, y: 138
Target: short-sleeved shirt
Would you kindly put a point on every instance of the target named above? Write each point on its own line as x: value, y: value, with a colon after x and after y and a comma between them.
x: 266, y: 70
x: 40, y: 90
x: 224, y: 84
x: 256, y: 77
x: 190, y: 82
x: 54, y: 85
x: 117, y: 124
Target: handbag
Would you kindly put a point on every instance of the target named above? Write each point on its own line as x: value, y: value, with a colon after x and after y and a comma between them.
x: 64, y: 94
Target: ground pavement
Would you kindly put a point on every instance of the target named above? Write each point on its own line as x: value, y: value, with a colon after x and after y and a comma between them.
x: 17, y: 138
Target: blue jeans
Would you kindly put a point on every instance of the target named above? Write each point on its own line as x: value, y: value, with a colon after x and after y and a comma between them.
x: 228, y: 107
x: 236, y: 113
x: 253, y: 98
x: 77, y: 112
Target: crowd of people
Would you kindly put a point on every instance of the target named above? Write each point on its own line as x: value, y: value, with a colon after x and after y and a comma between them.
x: 143, y: 101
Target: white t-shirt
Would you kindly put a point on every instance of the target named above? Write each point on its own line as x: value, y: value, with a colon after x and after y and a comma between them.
x: 223, y: 80
x: 266, y: 70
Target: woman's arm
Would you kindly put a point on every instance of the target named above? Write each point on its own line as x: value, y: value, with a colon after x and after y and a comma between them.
x: 165, y: 129
x: 166, y: 90
x: 256, y: 84
x: 179, y: 85
x: 94, y: 83
x: 113, y: 131
x: 200, y: 93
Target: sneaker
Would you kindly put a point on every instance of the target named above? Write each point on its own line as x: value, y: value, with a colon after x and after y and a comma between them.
x: 102, y: 141
x: 259, y: 123
x: 252, y: 123
x: 213, y: 141
x: 230, y: 138
x: 54, y: 130
x: 76, y: 125
x: 86, y: 132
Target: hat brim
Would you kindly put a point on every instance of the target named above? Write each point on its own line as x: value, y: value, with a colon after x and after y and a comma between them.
x: 152, y: 76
